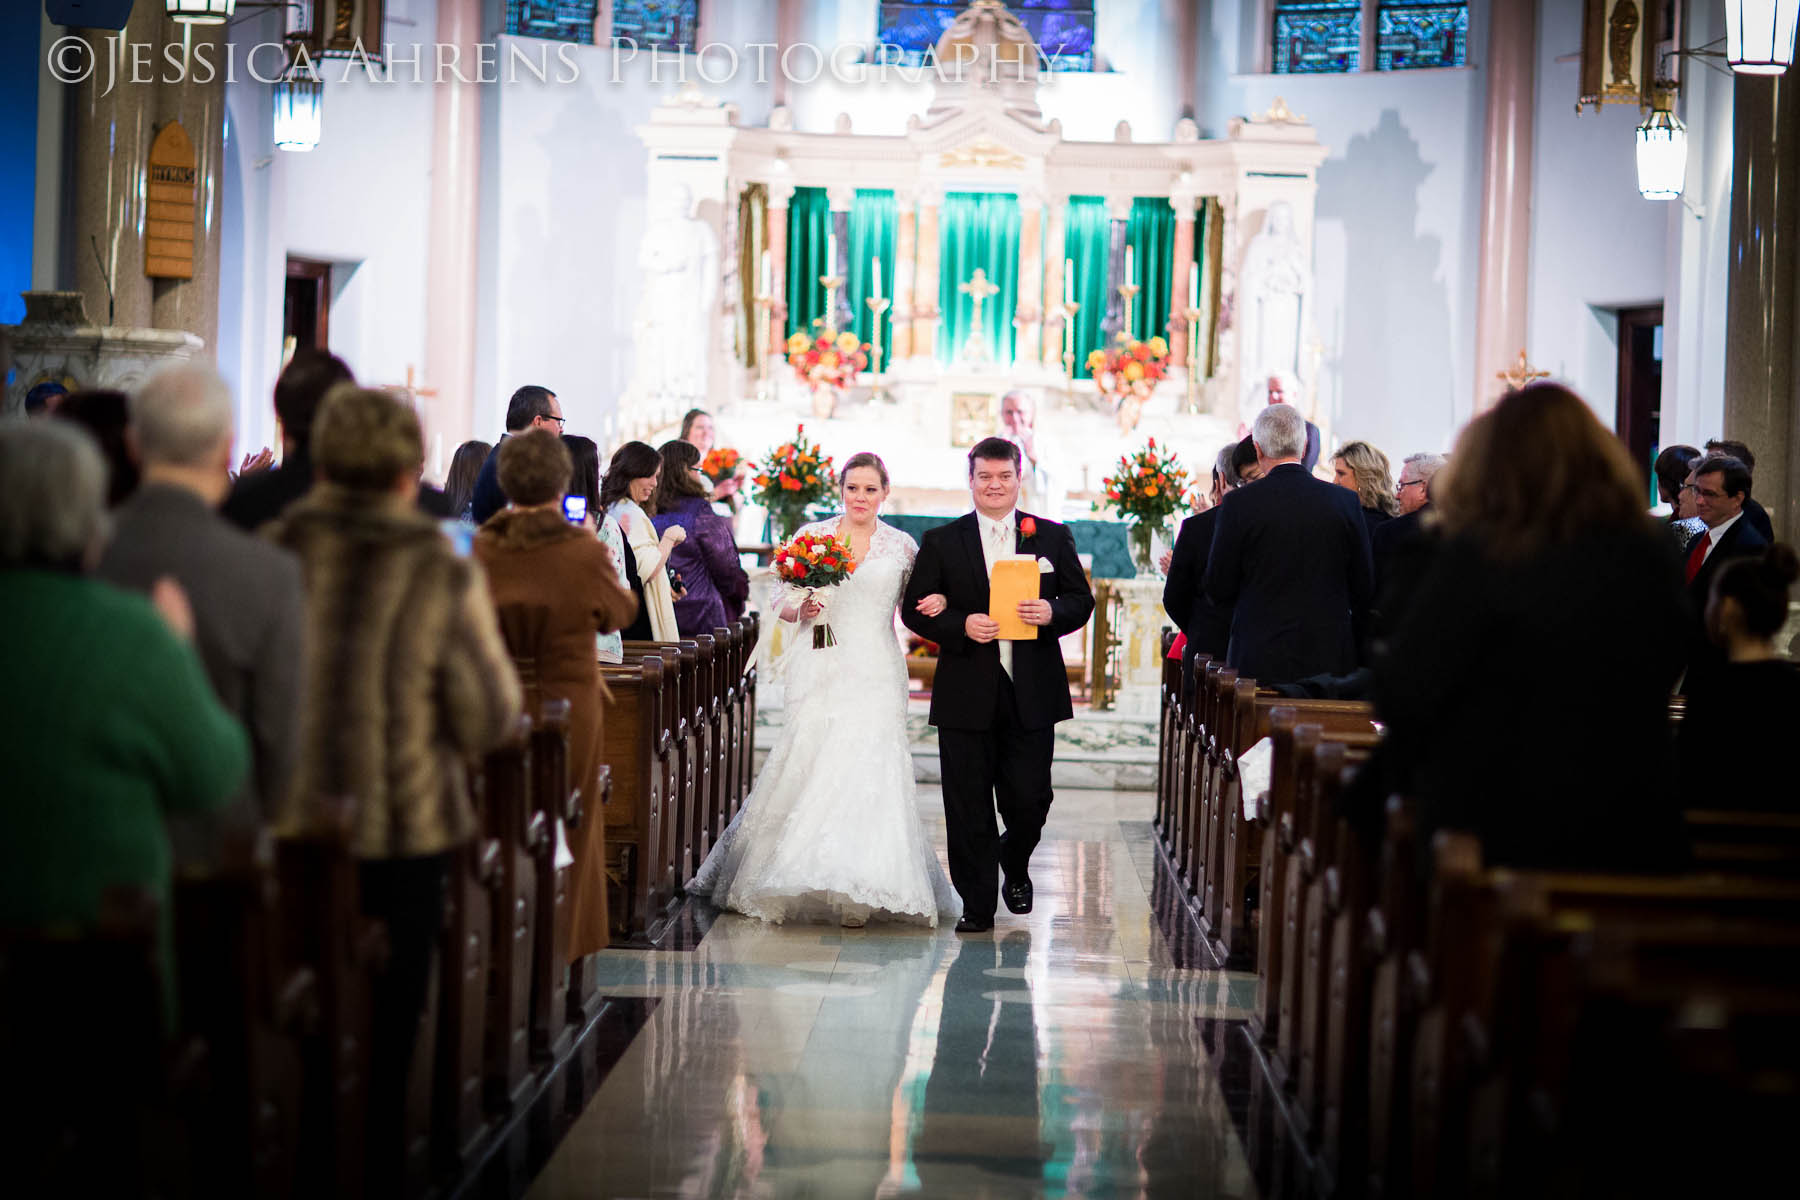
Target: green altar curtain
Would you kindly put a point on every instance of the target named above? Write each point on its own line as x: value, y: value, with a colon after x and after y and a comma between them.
x: 978, y: 229
x: 809, y: 228
x: 873, y: 221
x: 1084, y: 245
x: 1151, y: 235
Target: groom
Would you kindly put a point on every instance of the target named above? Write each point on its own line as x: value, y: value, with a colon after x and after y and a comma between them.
x: 995, y: 703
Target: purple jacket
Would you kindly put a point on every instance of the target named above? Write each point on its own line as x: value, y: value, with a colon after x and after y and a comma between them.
x: 708, y: 565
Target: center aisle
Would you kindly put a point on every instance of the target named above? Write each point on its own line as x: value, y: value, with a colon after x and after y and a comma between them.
x: 1061, y: 1055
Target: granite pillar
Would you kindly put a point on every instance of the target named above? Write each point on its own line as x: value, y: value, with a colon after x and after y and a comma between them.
x: 906, y: 243
x: 925, y: 283
x: 450, y: 297
x: 1180, y: 295
x: 1056, y: 284
x: 1502, y: 295
x: 193, y: 304
x: 1762, y: 409
x: 780, y: 195
x: 1030, y: 314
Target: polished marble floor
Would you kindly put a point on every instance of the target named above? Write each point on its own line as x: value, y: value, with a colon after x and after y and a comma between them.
x: 1063, y: 1055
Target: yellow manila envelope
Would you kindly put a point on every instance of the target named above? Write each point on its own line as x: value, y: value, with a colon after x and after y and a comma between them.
x: 1014, y: 580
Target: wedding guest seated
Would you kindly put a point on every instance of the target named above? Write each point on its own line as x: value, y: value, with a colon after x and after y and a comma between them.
x: 531, y: 407
x: 1754, y: 512
x: 697, y: 429
x: 1290, y: 562
x: 258, y: 497
x: 537, y: 559
x: 459, y: 484
x: 1721, y: 491
x: 1748, y: 709
x: 107, y: 723
x: 106, y: 416
x: 406, y: 679
x: 707, y: 560
x: 628, y: 495
x: 1544, y: 637
x: 1364, y: 470
x: 245, y: 593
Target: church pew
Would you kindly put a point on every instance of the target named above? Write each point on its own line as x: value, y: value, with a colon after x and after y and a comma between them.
x: 560, y: 805
x: 747, y: 705
x: 680, y: 662
x: 706, y: 713
x: 1168, y: 745
x: 1192, y: 771
x: 324, y: 928
x: 1218, y: 682
x: 466, y: 961
x: 522, y: 834
x: 1179, y: 733
x: 583, y: 987
x: 725, y: 755
x: 1222, y: 902
x: 251, y: 1010
x: 639, y: 745
x: 1457, y: 986
x: 1744, y: 842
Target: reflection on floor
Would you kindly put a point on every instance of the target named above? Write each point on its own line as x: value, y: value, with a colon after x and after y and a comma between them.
x: 1065, y: 1054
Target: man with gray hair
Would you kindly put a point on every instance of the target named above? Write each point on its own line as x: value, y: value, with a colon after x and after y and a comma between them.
x: 1290, y: 563
x: 246, y: 594
x: 1401, y: 547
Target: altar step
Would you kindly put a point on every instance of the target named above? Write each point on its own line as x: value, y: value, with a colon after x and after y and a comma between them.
x: 1095, y: 750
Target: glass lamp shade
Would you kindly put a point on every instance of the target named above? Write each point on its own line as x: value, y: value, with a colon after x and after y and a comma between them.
x: 1759, y: 35
x: 1661, y: 156
x: 201, y: 12
x: 299, y: 108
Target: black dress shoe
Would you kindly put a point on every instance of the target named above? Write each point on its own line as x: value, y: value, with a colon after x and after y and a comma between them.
x: 974, y: 925
x: 1017, y: 895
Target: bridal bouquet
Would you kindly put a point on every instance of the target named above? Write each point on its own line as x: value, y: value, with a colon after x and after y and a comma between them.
x: 814, y: 561
x: 721, y: 463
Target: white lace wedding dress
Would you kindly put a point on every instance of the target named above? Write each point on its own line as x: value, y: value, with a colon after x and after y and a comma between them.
x: 830, y: 830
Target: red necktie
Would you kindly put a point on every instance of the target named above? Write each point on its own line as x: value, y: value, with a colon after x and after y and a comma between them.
x: 1697, y: 555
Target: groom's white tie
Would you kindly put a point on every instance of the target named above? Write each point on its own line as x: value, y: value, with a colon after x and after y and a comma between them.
x: 1000, y: 539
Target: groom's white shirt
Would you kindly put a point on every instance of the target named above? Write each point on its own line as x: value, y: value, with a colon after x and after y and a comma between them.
x: 999, y: 539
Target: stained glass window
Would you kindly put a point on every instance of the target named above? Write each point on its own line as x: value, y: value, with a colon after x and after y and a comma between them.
x: 556, y: 20
x: 907, y: 32
x: 1421, y: 35
x: 1316, y: 36
x: 663, y: 24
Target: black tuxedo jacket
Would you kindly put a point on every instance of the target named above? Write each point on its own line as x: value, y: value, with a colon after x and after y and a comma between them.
x: 1704, y: 658
x: 1290, y: 561
x: 1207, y: 626
x: 963, y: 692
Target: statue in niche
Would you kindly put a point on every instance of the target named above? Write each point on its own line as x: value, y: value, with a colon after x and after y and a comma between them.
x: 1619, y: 39
x: 679, y: 265
x: 1271, y: 306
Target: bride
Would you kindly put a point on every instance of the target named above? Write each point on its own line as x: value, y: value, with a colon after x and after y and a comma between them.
x: 830, y: 830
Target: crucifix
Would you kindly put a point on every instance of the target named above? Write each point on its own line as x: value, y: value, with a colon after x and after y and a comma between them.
x: 979, y: 291
x: 1521, y: 373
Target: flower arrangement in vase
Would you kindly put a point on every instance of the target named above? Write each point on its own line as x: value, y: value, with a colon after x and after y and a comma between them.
x: 1126, y: 372
x: 793, y: 477
x: 1147, y: 489
x: 827, y: 363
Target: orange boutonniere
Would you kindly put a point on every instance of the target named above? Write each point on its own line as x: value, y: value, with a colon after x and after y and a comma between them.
x: 1027, y: 527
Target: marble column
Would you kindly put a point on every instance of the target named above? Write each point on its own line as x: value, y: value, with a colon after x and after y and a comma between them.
x: 1761, y: 405
x: 1502, y: 295
x: 451, y: 274
x: 925, y: 283
x: 192, y: 305
x: 1056, y: 283
x: 1179, y: 295
x: 1030, y: 315
x: 780, y: 196
x: 906, y: 243
x: 111, y: 124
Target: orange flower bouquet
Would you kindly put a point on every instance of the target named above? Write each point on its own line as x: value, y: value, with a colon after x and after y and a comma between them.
x: 793, y: 477
x: 830, y: 360
x: 815, y: 561
x: 721, y: 463
x: 1147, y: 488
x: 1126, y: 372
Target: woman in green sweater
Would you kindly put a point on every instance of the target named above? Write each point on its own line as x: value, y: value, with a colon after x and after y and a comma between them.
x: 107, y: 721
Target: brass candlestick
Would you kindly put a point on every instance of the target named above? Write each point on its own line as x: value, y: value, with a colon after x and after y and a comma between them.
x: 1127, y: 293
x: 1069, y: 309
x: 1192, y: 334
x: 831, y: 284
x: 877, y: 306
x: 765, y: 305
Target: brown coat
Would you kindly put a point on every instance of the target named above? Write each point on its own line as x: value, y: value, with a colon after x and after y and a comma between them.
x: 407, y: 675
x: 546, y: 573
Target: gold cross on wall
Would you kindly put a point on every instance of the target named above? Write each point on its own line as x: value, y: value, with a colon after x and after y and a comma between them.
x: 1521, y: 373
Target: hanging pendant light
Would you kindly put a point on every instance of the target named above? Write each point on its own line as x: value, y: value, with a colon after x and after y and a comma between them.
x: 1662, y: 152
x: 201, y: 12
x: 1759, y: 35
x: 299, y: 105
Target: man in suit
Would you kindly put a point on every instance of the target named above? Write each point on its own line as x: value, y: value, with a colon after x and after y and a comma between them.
x: 1754, y: 512
x: 531, y: 407
x: 258, y: 497
x: 245, y: 593
x: 995, y: 703
x: 1413, y: 490
x: 1721, y: 491
x: 1206, y: 626
x: 1290, y: 562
